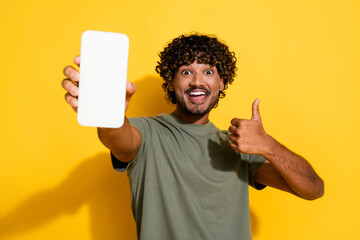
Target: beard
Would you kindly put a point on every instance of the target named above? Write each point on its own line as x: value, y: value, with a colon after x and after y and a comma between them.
x: 197, y: 109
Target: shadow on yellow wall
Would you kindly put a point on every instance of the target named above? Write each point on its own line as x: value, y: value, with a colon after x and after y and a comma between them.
x: 148, y: 99
x: 94, y: 183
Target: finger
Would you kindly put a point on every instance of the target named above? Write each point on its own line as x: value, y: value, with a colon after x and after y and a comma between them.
x: 234, y: 146
x: 233, y: 130
x: 71, y: 73
x: 130, y: 89
x: 70, y: 87
x: 233, y: 138
x: 235, y: 122
x: 77, y: 60
x: 73, y: 101
x: 256, y: 111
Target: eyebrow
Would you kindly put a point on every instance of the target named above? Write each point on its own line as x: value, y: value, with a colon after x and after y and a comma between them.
x: 188, y: 66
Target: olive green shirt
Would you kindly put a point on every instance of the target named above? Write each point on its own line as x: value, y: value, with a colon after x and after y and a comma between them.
x: 188, y: 183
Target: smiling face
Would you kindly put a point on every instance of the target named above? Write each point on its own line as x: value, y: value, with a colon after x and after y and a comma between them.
x: 196, y: 88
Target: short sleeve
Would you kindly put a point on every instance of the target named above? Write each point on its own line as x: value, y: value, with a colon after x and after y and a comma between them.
x: 118, y: 165
x: 141, y: 124
x: 255, y: 161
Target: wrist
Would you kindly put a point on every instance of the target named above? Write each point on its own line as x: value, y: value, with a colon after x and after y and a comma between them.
x: 270, y: 147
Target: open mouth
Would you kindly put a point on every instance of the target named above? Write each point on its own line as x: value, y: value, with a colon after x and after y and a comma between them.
x: 197, y: 95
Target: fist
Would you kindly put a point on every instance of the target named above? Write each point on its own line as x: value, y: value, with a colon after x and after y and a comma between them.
x: 249, y: 136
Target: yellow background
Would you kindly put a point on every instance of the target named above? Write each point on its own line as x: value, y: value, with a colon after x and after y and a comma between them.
x: 301, y: 58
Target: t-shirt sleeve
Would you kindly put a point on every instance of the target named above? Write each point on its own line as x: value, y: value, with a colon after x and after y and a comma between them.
x: 118, y: 165
x: 255, y: 161
x: 142, y: 125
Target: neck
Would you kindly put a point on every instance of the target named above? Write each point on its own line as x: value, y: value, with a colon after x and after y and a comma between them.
x: 191, y: 118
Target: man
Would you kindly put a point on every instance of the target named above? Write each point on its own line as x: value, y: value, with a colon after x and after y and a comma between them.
x: 188, y: 179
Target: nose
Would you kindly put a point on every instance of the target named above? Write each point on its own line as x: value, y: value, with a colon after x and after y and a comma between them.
x: 196, y: 80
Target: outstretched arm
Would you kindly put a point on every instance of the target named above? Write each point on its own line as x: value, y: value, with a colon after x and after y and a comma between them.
x: 123, y: 142
x: 284, y: 169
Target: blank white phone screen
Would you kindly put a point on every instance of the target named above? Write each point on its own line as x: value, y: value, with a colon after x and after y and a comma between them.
x: 102, y: 84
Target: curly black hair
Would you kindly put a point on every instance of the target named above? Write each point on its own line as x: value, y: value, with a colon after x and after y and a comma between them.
x: 187, y: 49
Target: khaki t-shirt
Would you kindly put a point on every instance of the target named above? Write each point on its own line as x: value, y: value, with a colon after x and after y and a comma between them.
x: 188, y: 183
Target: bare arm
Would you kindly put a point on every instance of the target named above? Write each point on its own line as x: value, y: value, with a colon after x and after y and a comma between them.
x: 123, y: 142
x: 289, y: 172
x: 283, y: 169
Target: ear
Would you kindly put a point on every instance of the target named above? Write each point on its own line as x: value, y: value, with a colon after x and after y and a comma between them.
x: 222, y: 86
x: 171, y: 86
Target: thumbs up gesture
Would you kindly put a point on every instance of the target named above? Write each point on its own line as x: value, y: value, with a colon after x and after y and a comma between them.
x: 249, y: 136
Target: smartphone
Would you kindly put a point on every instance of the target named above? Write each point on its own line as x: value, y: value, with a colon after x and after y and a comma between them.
x: 102, y: 83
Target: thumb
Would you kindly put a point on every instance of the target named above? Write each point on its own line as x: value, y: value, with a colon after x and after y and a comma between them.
x: 255, y: 111
x: 130, y: 90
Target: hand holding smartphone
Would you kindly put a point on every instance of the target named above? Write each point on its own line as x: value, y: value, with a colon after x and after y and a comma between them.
x: 103, y: 74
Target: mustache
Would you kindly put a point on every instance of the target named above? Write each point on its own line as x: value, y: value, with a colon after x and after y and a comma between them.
x: 197, y: 88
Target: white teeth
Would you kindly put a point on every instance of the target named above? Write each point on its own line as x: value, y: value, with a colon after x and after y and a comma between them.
x: 196, y: 93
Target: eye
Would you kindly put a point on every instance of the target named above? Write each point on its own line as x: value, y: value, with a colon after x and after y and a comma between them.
x: 186, y: 72
x: 209, y: 71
